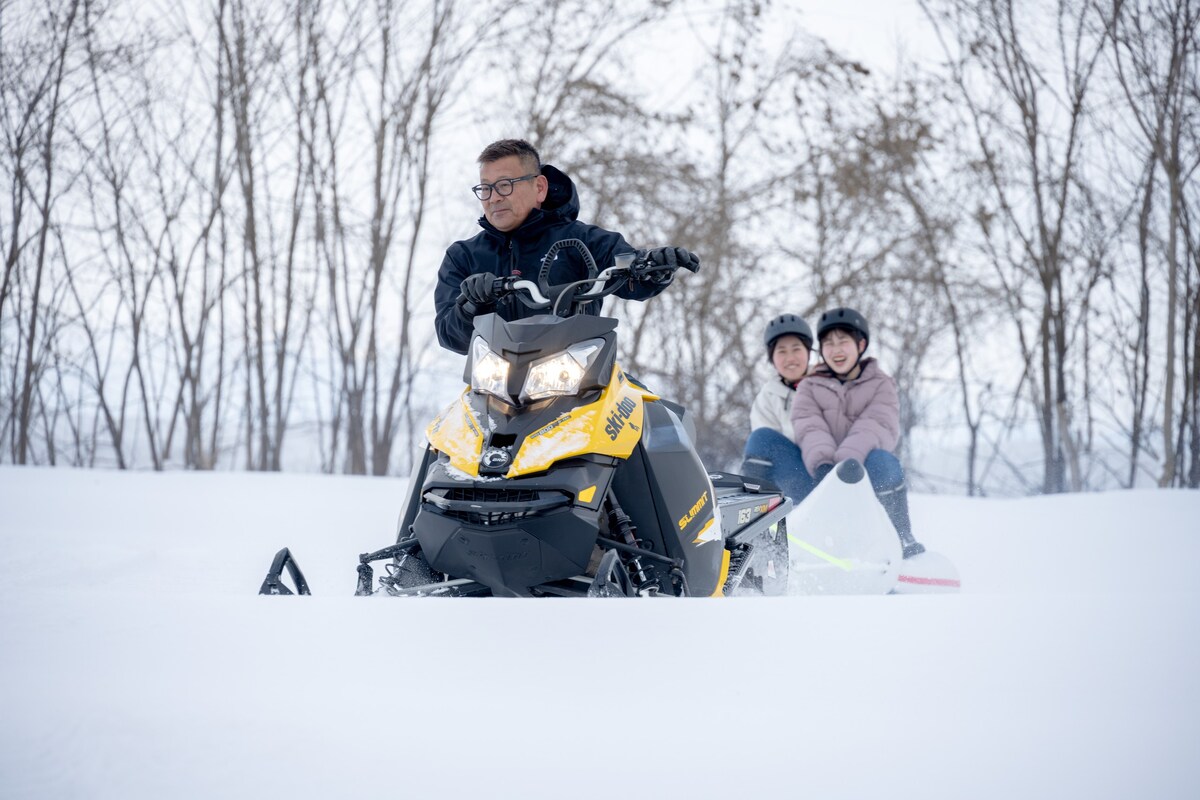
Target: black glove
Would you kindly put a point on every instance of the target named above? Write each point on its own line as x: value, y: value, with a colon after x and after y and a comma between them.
x: 659, y: 264
x: 822, y: 471
x: 477, y: 292
x: 674, y: 257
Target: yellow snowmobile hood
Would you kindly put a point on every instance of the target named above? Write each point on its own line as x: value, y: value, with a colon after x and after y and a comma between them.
x: 611, y: 426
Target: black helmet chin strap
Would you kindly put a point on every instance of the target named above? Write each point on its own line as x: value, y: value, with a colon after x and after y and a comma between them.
x: 858, y: 357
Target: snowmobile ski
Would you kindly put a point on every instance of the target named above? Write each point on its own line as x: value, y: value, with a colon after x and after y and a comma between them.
x: 273, y: 583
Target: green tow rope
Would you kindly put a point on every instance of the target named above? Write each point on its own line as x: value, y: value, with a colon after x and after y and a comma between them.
x: 821, y: 554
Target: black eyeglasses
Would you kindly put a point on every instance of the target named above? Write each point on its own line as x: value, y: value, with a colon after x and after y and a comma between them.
x: 503, y: 187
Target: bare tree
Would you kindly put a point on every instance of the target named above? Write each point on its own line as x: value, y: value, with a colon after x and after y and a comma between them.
x: 1029, y: 120
x: 209, y: 256
x: 692, y: 338
x: 1192, y: 337
x: 414, y: 63
x: 1155, y: 49
x: 276, y: 301
x: 39, y: 112
x: 934, y: 235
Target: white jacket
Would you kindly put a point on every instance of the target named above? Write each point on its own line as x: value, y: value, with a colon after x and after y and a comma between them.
x: 772, y: 408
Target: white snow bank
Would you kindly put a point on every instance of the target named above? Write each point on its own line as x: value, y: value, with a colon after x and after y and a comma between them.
x: 136, y: 660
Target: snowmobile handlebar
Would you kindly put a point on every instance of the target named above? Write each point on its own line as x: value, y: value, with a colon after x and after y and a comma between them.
x: 529, y: 293
x: 629, y: 267
x: 533, y: 296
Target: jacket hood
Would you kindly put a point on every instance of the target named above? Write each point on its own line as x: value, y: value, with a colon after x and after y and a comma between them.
x: 561, y: 205
x: 562, y: 199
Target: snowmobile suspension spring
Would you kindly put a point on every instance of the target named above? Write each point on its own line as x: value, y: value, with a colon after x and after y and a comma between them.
x: 628, y: 531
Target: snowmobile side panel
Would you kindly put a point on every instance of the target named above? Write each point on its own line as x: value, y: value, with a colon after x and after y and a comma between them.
x: 744, y: 513
x: 677, y: 514
x: 412, y: 495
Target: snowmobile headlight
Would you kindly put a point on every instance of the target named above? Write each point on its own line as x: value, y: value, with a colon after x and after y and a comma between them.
x: 561, y: 373
x: 489, y: 372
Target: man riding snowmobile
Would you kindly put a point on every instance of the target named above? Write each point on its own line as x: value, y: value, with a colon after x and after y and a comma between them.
x: 555, y: 474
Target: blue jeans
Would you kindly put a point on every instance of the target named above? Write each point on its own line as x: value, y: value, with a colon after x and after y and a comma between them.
x: 771, y: 455
x: 884, y: 470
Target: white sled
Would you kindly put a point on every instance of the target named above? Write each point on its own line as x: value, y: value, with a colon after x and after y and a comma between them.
x: 927, y: 573
x: 842, y: 542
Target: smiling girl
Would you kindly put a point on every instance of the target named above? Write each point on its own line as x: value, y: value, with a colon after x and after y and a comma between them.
x: 849, y: 408
x: 770, y: 453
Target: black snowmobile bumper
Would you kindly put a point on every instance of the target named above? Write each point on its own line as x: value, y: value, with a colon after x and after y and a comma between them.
x: 525, y: 552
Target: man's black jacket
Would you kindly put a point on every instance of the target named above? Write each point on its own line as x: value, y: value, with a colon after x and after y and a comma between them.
x: 519, y: 252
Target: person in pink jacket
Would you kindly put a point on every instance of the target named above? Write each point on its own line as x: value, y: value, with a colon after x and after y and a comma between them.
x: 849, y: 408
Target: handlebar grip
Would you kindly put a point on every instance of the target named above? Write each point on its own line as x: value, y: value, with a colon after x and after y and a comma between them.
x: 502, y: 287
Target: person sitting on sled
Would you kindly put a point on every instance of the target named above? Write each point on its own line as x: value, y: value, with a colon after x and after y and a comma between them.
x: 849, y: 408
x: 528, y: 206
x: 771, y: 450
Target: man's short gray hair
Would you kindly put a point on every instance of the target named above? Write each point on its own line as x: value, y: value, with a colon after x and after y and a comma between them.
x: 512, y: 147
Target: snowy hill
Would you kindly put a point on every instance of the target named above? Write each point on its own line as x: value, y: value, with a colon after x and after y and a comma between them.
x: 136, y: 660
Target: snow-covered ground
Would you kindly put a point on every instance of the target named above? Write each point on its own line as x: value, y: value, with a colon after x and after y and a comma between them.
x: 137, y: 661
